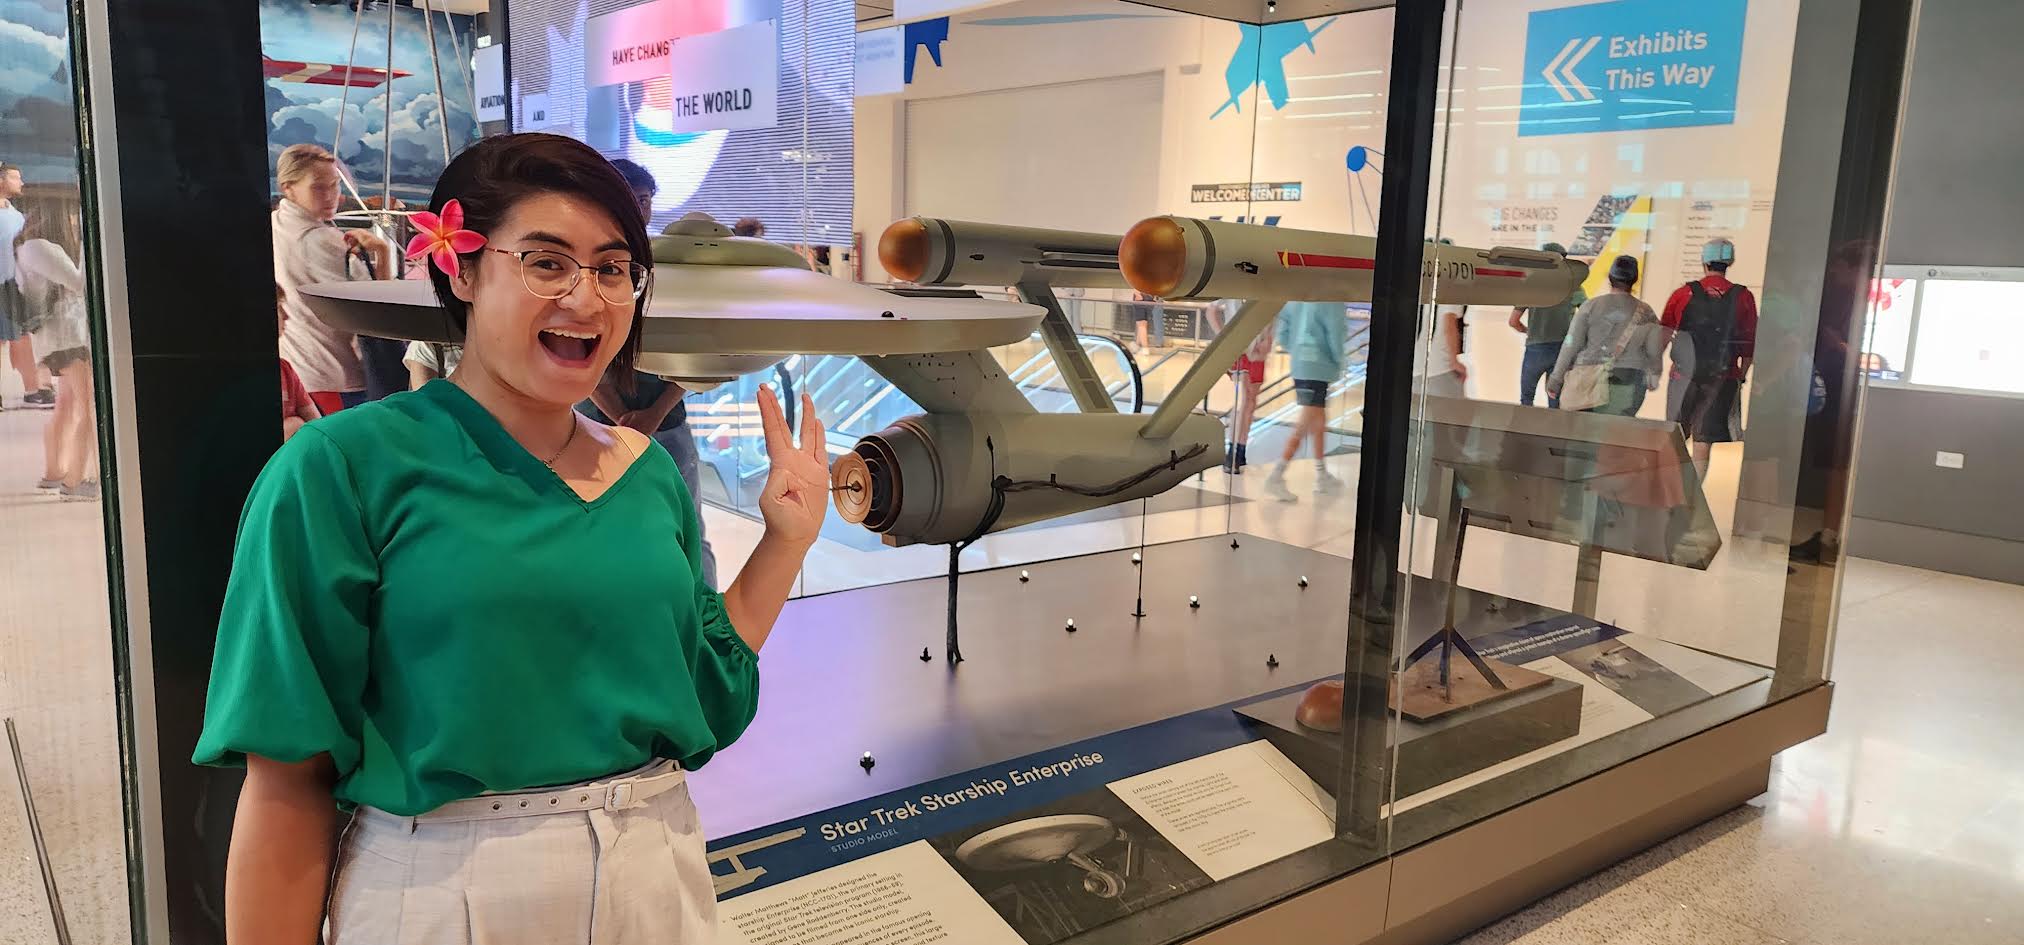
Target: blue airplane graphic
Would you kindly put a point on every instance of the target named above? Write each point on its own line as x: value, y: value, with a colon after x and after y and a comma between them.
x: 1261, y: 59
x: 928, y: 35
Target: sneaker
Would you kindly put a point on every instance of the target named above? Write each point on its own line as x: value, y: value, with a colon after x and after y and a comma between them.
x: 49, y: 484
x: 1325, y: 484
x: 1275, y: 486
x: 44, y: 399
x: 86, y: 491
x: 1243, y: 456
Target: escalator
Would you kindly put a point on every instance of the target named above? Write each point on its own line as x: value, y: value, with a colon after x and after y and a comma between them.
x: 853, y: 400
x: 1276, y: 409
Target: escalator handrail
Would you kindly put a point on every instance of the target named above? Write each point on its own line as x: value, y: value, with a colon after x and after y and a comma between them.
x: 1138, y: 378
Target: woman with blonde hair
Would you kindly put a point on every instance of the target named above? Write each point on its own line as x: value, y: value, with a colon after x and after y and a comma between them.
x: 52, y: 284
x: 308, y: 249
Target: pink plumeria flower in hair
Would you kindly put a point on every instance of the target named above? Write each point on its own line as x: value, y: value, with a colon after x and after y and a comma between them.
x: 443, y: 237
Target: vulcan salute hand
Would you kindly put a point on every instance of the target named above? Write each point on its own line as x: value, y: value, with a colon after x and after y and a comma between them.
x: 797, y: 488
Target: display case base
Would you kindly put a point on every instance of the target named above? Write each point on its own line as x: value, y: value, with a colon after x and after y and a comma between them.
x: 1435, y: 752
x: 1419, y: 695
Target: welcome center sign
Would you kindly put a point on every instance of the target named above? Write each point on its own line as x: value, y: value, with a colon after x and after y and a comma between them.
x: 1632, y: 65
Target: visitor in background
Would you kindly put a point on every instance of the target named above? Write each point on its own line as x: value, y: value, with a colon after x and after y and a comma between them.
x: 1315, y: 334
x: 1619, y: 334
x: 1248, y: 375
x: 655, y: 406
x: 52, y: 297
x: 1147, y: 315
x: 746, y: 226
x: 1443, y: 371
x: 1711, y: 324
x: 427, y: 361
x: 1440, y: 368
x: 308, y: 249
x: 297, y: 407
x: 14, y: 328
x: 1545, y: 329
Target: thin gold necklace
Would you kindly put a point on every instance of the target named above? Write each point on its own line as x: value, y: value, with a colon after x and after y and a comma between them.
x: 573, y: 424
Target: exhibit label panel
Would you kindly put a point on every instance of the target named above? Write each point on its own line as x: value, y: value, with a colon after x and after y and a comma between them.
x: 1034, y: 849
x: 1631, y: 65
x: 1038, y: 876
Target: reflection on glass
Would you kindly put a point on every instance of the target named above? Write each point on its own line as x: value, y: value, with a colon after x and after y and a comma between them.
x: 61, y: 763
x: 1892, y: 304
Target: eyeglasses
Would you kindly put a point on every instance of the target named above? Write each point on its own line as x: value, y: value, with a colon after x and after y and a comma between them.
x: 552, y: 275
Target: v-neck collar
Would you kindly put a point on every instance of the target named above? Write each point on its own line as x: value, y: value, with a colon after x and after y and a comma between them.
x: 501, y: 448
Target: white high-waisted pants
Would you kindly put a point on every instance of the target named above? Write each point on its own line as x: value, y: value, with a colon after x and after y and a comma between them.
x: 628, y: 873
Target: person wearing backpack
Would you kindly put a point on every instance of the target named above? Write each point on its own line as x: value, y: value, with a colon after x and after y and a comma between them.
x: 1711, y: 325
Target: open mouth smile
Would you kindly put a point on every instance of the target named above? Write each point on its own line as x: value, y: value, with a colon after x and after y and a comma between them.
x: 570, y: 347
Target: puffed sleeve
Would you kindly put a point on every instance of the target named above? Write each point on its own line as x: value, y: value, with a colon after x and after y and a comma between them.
x: 290, y: 669
x: 726, y: 671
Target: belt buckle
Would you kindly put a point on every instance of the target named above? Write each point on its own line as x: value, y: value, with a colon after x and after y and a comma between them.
x: 619, y: 796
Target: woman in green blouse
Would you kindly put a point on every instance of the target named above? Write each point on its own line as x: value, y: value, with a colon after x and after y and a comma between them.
x: 474, y: 616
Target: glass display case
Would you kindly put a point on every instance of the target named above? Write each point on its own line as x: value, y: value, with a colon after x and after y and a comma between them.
x: 1215, y: 550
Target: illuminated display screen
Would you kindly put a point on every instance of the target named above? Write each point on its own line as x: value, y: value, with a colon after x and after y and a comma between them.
x: 1970, y: 334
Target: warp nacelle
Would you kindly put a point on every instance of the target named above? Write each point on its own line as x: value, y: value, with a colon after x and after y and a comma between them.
x: 1187, y: 258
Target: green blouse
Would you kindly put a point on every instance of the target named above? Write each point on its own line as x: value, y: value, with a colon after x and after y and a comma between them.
x: 417, y: 595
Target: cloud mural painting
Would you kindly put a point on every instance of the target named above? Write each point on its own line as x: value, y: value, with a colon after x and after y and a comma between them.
x: 308, y: 50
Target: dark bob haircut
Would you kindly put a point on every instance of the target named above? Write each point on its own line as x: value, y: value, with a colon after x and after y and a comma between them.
x: 495, y: 174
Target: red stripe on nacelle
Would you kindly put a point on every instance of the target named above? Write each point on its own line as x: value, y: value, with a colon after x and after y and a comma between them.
x: 1317, y: 261
x: 1507, y: 273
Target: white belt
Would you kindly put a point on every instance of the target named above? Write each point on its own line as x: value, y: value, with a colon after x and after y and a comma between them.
x: 626, y: 792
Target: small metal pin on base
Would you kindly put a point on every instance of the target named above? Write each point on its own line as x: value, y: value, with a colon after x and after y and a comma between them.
x: 1070, y: 625
x: 867, y: 762
x: 1194, y: 602
x: 1272, y: 661
x: 1303, y: 580
x: 1024, y: 577
x: 1135, y: 559
x: 925, y: 658
x: 1233, y: 544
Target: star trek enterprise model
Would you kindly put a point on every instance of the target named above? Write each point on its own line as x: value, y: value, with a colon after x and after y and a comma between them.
x: 980, y: 458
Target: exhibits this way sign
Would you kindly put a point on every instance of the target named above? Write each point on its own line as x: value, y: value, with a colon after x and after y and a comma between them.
x: 1632, y: 65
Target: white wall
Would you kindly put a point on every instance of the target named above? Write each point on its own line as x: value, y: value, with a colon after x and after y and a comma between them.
x: 877, y: 185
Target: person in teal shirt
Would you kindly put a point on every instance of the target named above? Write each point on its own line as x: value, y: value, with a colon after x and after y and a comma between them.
x: 1316, y: 335
x: 475, y: 618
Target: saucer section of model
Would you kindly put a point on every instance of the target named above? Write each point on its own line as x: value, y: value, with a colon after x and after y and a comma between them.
x: 731, y: 309
x: 403, y: 309
x: 724, y: 309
